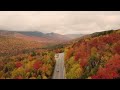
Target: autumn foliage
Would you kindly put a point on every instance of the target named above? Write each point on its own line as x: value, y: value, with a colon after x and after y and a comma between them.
x: 96, y: 55
x: 18, y: 64
x: 37, y: 65
x: 112, y: 68
x: 20, y: 59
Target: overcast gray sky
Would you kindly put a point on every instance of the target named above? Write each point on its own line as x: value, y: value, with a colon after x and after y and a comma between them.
x: 62, y: 22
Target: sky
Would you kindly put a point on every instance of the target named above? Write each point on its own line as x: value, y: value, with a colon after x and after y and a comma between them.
x: 62, y: 22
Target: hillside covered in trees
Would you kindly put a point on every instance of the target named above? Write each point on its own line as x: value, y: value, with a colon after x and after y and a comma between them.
x: 96, y: 56
x: 23, y: 59
x: 38, y: 64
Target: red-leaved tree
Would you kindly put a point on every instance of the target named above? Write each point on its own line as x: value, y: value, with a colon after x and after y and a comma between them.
x: 111, y: 69
x: 18, y: 64
x: 37, y: 65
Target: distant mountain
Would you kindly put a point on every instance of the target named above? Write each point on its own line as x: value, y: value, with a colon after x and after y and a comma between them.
x: 56, y: 36
x: 6, y: 33
x: 50, y: 36
x: 40, y: 36
x: 36, y: 36
x: 31, y: 33
x: 73, y: 36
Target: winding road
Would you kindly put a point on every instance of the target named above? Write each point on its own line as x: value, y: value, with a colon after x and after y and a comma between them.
x: 59, y: 71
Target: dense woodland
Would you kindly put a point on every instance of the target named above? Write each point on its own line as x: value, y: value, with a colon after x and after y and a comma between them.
x: 20, y: 59
x: 12, y: 45
x: 94, y: 57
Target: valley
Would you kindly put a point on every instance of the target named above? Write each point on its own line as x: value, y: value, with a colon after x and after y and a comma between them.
x: 29, y: 55
x: 59, y: 45
x: 34, y: 55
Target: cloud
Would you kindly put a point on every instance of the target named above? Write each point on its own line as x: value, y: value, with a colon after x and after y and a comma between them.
x: 63, y: 22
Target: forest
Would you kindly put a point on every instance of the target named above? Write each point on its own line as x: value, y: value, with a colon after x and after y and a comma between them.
x: 91, y: 57
x: 20, y: 59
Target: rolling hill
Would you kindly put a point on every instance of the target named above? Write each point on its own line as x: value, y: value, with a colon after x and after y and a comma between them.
x: 91, y: 56
x: 49, y: 37
x: 20, y: 41
x: 21, y: 57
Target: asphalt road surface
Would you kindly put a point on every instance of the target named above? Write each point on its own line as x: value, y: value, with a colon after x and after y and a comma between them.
x: 59, y: 71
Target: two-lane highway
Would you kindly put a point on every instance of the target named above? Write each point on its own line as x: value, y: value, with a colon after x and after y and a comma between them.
x: 59, y: 71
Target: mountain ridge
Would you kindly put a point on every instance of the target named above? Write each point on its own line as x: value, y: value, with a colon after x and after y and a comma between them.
x: 40, y: 36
